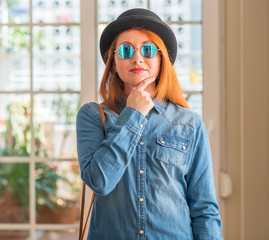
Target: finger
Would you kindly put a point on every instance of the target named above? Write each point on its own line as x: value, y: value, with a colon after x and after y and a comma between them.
x: 145, y: 83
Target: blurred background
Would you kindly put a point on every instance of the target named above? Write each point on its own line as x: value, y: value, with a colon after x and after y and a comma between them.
x: 50, y: 65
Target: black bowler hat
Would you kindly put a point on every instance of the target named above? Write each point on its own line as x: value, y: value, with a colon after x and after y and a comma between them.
x: 142, y: 18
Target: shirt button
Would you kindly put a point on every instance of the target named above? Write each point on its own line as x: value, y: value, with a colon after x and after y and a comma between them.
x: 141, y: 171
x: 141, y: 125
x: 184, y: 148
x: 141, y: 199
x: 141, y: 232
x: 141, y: 143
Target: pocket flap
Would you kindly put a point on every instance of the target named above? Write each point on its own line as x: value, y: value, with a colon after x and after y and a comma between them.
x: 174, y: 142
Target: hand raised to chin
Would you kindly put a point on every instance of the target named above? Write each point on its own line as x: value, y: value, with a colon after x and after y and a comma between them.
x: 140, y: 96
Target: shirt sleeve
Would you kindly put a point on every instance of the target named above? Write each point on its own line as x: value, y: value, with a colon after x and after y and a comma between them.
x: 201, y: 193
x: 103, y: 161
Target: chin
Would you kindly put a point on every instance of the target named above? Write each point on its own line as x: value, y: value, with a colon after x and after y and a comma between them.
x: 136, y: 83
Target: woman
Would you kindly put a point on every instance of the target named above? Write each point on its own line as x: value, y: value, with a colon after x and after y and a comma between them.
x: 151, y: 170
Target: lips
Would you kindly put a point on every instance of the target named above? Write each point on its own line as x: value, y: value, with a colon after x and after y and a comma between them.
x: 137, y: 70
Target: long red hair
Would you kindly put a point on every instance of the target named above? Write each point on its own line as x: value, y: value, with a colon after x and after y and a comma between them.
x: 168, y: 88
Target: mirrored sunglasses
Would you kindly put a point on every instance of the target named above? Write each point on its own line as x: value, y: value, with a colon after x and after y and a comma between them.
x: 126, y: 51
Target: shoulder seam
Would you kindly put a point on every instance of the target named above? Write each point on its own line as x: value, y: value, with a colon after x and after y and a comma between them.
x: 94, y: 111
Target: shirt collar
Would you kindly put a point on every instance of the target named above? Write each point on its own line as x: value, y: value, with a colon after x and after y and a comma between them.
x: 159, y: 105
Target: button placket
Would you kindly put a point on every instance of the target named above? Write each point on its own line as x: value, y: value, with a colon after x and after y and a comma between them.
x: 141, y: 184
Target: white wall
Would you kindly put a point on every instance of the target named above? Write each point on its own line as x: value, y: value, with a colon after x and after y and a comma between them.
x: 247, y: 84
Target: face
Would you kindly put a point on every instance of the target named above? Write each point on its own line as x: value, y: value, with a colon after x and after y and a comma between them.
x: 137, y: 68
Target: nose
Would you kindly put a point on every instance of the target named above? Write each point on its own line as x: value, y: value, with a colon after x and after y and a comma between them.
x: 137, y: 57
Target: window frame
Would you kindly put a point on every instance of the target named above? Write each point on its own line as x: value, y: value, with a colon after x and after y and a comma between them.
x: 32, y: 226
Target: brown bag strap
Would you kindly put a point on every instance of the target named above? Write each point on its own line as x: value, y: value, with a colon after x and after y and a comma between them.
x: 102, y: 114
x: 82, y: 228
x: 82, y: 210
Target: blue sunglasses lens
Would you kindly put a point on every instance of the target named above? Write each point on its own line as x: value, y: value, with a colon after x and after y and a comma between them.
x: 126, y: 51
x: 149, y: 50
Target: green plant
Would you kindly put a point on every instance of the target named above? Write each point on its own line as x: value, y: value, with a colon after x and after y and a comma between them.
x: 14, y: 177
x: 66, y: 111
x: 19, y: 40
x: 18, y: 134
x: 46, y: 177
x: 73, y: 173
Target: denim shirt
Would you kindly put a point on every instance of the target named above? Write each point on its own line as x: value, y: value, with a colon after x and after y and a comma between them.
x: 152, y: 175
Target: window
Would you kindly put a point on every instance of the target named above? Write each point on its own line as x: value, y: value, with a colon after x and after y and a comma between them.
x: 40, y: 69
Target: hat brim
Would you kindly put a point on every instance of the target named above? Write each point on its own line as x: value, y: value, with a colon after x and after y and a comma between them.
x: 148, y: 23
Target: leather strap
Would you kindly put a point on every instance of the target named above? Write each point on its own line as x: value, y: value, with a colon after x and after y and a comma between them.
x: 82, y: 228
x: 82, y: 210
x: 102, y: 115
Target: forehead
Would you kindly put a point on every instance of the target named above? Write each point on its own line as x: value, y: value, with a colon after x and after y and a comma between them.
x: 132, y: 36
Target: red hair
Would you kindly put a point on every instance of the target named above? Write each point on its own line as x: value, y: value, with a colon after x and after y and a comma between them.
x: 168, y: 88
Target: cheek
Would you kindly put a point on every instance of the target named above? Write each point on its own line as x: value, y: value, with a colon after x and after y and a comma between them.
x: 155, y: 67
x: 120, y: 70
x: 119, y: 65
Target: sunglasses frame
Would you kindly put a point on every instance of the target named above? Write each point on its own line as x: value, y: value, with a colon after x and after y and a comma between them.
x: 134, y: 49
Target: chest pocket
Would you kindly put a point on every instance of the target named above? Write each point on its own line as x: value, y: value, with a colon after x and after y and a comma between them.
x: 172, y: 150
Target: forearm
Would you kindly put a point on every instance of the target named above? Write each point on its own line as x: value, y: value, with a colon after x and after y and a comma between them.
x: 104, y: 162
x: 201, y: 194
x: 206, y: 222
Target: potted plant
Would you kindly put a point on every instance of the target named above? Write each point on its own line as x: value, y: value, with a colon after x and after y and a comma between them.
x: 14, y: 177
